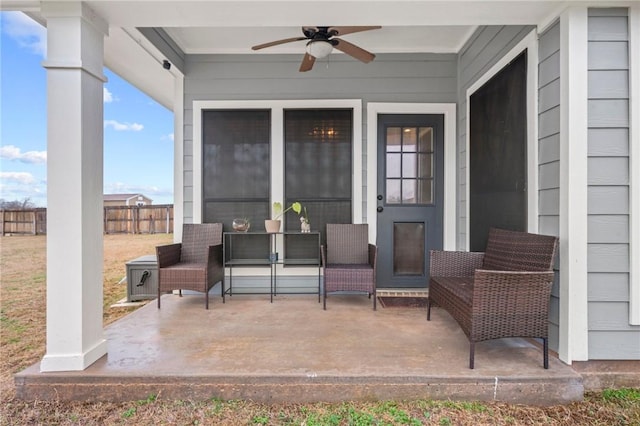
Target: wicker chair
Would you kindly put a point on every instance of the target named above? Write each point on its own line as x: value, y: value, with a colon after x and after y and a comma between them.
x: 195, y: 264
x: 503, y: 292
x: 349, y: 261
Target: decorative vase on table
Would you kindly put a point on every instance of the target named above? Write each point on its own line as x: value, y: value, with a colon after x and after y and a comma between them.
x: 240, y: 225
x: 272, y: 226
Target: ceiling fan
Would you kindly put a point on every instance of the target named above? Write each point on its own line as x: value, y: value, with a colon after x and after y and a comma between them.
x: 321, y: 42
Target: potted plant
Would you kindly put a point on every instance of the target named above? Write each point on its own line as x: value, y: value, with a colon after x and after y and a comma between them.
x: 273, y: 225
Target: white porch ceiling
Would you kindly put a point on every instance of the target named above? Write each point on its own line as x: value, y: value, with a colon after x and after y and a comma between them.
x: 233, y: 26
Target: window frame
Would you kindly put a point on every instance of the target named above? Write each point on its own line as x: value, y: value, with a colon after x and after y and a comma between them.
x: 277, y: 108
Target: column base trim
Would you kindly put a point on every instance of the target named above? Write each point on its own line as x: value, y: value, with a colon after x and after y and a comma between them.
x: 73, y: 362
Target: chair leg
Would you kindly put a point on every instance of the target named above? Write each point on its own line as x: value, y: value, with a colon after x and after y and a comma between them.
x: 472, y: 348
x: 374, y: 300
x: 206, y: 299
x: 545, y: 344
x: 180, y: 292
x: 159, y: 297
x: 324, y: 300
x: 429, y: 309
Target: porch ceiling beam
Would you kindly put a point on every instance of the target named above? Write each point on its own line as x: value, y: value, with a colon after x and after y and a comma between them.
x: 256, y: 13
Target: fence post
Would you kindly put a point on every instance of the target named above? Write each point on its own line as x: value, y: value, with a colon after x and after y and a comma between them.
x: 3, y: 222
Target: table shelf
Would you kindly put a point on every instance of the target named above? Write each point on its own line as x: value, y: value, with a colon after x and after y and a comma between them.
x: 276, y: 242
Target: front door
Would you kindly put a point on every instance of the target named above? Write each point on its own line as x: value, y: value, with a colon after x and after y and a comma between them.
x: 410, y: 197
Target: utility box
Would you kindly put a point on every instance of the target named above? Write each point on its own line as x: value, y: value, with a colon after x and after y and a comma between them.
x: 142, y: 278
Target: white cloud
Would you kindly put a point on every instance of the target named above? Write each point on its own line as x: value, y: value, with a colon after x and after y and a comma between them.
x: 17, y: 177
x: 26, y: 32
x: 116, y: 125
x: 107, y: 96
x: 168, y: 137
x: 13, y: 153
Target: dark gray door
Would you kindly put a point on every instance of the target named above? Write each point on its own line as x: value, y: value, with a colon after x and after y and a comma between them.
x: 410, y: 197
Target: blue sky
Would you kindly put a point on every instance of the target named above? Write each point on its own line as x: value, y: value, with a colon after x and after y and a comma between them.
x: 138, y: 131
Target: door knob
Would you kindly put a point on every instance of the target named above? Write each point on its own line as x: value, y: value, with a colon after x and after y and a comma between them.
x: 379, y: 209
x: 380, y: 197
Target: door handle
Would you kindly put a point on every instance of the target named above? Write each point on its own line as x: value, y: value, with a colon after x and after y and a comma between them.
x: 379, y: 209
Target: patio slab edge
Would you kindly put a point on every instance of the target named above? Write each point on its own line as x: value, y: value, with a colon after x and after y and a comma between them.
x: 33, y: 385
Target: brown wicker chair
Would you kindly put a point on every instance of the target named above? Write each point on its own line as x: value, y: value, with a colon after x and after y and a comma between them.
x: 503, y: 292
x: 349, y: 261
x: 195, y: 264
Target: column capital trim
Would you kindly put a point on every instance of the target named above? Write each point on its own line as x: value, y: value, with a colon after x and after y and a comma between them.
x: 75, y: 9
x: 73, y: 65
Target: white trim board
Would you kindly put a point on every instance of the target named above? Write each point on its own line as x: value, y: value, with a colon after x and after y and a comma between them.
x: 573, y: 327
x: 529, y: 43
x: 634, y: 164
x: 449, y: 208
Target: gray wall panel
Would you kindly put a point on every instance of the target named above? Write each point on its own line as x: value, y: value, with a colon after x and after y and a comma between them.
x: 389, y: 78
x: 608, y: 228
x: 608, y: 179
x: 606, y: 142
x: 606, y: 316
x: 607, y: 55
x: 614, y: 345
x: 608, y: 257
x: 608, y: 287
x: 608, y: 200
x: 608, y: 171
x: 549, y: 149
x: 549, y: 153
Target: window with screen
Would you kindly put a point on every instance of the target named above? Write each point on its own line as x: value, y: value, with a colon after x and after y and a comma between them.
x: 318, y: 161
x: 237, y: 171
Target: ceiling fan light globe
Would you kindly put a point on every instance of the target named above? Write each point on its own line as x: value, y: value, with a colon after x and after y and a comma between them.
x: 319, y: 48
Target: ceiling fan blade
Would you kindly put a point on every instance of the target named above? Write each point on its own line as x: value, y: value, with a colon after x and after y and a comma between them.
x: 277, y: 42
x: 340, y: 31
x: 307, y: 63
x: 353, y: 50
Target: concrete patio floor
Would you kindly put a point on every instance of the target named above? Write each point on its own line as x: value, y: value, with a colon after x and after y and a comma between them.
x: 293, y: 351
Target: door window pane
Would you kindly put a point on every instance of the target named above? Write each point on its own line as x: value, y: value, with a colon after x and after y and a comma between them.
x: 408, y: 248
x: 410, y: 172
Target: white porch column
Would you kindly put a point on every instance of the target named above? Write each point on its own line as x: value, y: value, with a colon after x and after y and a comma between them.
x: 75, y: 38
x: 573, y: 341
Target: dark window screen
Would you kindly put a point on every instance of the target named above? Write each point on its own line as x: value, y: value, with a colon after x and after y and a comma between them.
x: 318, y: 159
x: 236, y: 171
x: 498, y: 154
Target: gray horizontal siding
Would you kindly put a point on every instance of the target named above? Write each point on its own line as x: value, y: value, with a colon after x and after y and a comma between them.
x: 622, y: 345
x: 549, y: 154
x: 389, y: 78
x: 610, y: 335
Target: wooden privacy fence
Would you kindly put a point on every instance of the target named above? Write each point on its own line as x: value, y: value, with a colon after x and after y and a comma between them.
x: 139, y: 219
x: 24, y: 222
x: 154, y: 219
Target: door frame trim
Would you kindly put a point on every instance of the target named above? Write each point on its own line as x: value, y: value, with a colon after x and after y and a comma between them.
x: 448, y: 110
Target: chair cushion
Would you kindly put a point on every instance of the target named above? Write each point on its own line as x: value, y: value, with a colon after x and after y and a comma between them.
x: 351, y: 277
x: 183, y: 275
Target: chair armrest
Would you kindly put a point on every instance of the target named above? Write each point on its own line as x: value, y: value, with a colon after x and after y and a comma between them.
x: 323, y: 254
x: 373, y: 255
x: 454, y: 263
x: 214, y: 257
x: 168, y: 254
x: 524, y: 290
